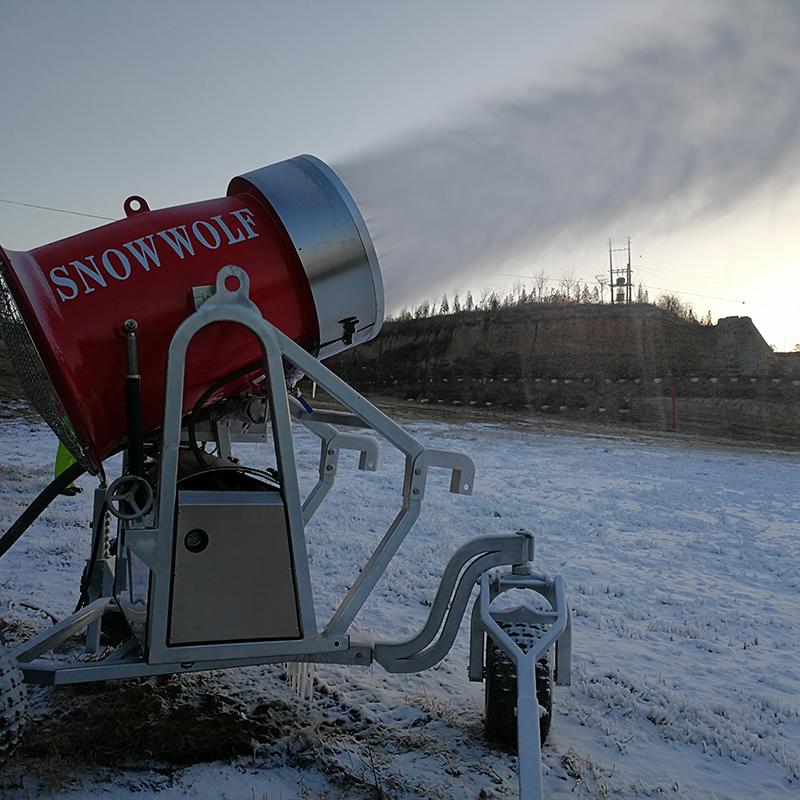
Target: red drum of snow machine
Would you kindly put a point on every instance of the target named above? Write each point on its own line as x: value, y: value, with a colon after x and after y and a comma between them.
x: 292, y: 226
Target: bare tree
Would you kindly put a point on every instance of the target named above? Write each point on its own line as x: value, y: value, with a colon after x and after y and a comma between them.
x: 567, y: 284
x: 674, y: 305
x: 542, y: 282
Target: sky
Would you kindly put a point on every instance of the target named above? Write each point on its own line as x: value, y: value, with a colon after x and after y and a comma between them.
x: 480, y: 140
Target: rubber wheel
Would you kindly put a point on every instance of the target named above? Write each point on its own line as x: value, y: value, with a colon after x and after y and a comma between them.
x: 500, y: 688
x: 13, y: 704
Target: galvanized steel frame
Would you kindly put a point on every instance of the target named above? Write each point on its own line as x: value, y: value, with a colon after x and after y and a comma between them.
x: 153, y: 543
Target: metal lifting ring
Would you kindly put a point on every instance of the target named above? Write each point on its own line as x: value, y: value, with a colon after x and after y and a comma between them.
x: 129, y: 497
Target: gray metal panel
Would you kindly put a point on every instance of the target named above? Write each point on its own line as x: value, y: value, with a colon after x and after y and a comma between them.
x: 241, y: 586
x: 332, y: 242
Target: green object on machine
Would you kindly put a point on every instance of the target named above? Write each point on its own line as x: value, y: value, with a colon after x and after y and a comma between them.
x: 64, y: 460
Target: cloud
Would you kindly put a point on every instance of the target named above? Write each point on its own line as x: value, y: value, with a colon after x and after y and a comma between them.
x: 672, y: 131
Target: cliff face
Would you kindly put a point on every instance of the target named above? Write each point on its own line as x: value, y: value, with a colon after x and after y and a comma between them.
x: 559, y: 341
x: 614, y: 362
x: 741, y: 347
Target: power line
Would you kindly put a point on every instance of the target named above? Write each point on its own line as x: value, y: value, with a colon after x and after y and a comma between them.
x: 688, y: 291
x: 683, y: 277
x: 696, y: 294
x: 513, y: 275
x: 58, y: 210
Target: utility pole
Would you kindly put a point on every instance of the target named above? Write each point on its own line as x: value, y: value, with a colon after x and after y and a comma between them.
x: 628, y: 276
x: 611, y: 268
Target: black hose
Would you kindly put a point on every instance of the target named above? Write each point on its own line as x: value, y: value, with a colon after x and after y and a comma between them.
x: 43, y: 500
x: 269, y: 475
x: 192, y: 421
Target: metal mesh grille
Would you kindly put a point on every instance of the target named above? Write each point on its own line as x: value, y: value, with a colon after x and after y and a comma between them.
x: 32, y: 375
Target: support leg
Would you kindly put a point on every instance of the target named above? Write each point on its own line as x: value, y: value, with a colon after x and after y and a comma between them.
x: 529, y: 746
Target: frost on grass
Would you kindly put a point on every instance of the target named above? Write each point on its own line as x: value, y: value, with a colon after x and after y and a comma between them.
x: 682, y: 564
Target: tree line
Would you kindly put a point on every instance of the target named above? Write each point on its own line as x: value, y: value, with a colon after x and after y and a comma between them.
x: 566, y: 291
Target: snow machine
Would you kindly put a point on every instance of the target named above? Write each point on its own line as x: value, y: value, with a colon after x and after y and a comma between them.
x: 143, y: 337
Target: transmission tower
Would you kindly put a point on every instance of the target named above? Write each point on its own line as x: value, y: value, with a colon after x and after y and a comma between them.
x: 620, y: 277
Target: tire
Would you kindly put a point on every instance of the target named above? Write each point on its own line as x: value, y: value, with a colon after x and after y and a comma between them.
x: 500, y: 688
x: 13, y: 705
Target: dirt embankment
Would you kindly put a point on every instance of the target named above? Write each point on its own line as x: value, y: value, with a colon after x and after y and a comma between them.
x: 593, y: 363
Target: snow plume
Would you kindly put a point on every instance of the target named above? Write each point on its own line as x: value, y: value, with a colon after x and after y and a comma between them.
x: 674, y: 130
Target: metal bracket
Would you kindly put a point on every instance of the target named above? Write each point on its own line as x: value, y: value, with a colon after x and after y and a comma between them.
x: 61, y: 631
x: 332, y: 442
x: 461, y: 467
x: 143, y: 543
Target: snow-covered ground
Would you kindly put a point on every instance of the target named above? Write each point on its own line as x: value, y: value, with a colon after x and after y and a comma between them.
x: 682, y: 562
